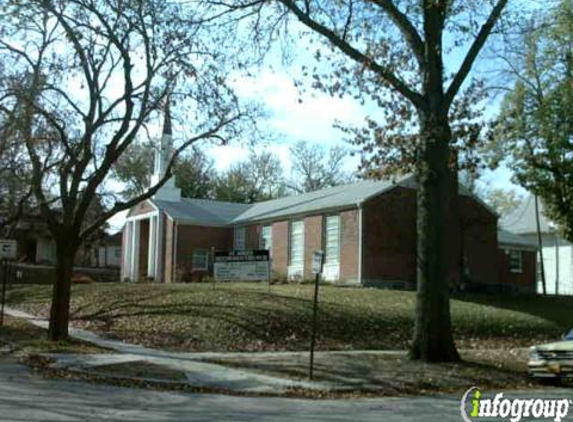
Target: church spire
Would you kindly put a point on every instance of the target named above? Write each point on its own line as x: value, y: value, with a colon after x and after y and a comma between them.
x: 167, y: 127
x: 162, y: 158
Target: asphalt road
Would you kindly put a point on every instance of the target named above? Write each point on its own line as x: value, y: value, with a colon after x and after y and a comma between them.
x: 27, y: 397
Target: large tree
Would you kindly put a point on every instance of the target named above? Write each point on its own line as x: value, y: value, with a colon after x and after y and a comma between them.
x: 315, y: 167
x: 534, y: 134
x: 258, y: 178
x: 83, y: 80
x: 194, y: 171
x: 394, y: 53
x: 504, y: 201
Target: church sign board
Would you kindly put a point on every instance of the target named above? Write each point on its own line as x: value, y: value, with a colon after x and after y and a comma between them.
x: 242, y: 265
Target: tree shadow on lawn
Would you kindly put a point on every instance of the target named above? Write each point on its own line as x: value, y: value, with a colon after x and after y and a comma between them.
x: 554, y: 309
x: 273, y: 320
x: 27, y: 294
x: 390, y: 374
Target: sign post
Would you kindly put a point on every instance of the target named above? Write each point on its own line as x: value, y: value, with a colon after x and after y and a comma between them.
x: 270, y: 280
x: 8, y: 250
x: 317, y: 265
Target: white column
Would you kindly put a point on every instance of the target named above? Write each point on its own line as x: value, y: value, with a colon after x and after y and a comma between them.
x: 151, y: 249
x: 159, y: 247
x: 135, y: 251
x: 126, y: 245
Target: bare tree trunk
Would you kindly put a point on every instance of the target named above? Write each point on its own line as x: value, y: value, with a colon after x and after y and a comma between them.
x: 433, y: 339
x: 61, y: 292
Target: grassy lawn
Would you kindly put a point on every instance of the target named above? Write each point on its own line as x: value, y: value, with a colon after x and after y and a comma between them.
x: 245, y: 317
x: 394, y: 374
x: 29, y: 339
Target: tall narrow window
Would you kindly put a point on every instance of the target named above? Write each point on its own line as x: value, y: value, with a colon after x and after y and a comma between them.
x: 296, y: 252
x: 200, y: 260
x: 332, y: 239
x: 515, y: 261
x: 239, y: 239
x: 266, y: 237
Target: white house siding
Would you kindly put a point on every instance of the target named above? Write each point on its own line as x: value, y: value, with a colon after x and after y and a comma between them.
x: 45, y: 251
x: 558, y: 265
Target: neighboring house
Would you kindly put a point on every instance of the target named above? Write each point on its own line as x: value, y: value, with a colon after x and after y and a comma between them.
x: 109, y: 251
x: 557, y: 252
x: 34, y: 241
x: 367, y: 230
x: 36, y: 246
x: 517, y: 262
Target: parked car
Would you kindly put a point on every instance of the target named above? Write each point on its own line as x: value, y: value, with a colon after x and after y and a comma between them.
x: 552, y: 360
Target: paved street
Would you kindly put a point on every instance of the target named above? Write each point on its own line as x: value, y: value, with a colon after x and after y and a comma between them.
x: 26, y: 397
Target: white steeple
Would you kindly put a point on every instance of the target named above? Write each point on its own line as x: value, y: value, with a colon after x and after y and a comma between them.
x: 163, y: 154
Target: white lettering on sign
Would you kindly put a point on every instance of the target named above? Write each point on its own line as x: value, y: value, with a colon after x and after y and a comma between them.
x: 317, y: 261
x: 242, y: 266
x: 8, y: 249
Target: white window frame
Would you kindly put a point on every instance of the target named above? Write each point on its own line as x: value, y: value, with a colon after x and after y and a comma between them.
x: 240, y: 238
x: 196, y: 251
x: 517, y: 255
x: 328, y: 258
x: 298, y: 263
x: 266, y: 239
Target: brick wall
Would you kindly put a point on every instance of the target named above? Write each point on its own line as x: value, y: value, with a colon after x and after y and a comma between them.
x: 252, y: 236
x: 349, y: 250
x: 389, y: 240
x: 198, y: 237
x: 280, y: 248
x: 479, y: 229
x: 524, y: 281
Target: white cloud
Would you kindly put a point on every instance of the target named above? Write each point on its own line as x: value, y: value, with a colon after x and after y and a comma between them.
x: 307, y: 116
x: 225, y: 155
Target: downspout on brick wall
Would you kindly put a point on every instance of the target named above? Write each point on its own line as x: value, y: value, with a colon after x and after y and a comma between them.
x: 174, y: 256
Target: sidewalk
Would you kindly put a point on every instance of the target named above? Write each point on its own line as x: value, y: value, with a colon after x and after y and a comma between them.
x: 344, y: 373
x: 198, y: 374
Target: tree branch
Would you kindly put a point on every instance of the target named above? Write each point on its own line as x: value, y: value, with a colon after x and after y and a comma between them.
x: 383, y: 71
x: 406, y: 27
x: 474, y: 51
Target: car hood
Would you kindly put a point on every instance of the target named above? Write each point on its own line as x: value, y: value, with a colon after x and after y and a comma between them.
x: 565, y: 345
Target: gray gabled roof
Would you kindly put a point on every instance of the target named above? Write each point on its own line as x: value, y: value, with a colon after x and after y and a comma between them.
x: 325, y: 199
x: 201, y: 211
x: 218, y: 213
x: 522, y: 220
x: 508, y: 239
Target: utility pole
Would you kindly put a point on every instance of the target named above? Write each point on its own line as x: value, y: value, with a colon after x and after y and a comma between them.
x: 540, y: 245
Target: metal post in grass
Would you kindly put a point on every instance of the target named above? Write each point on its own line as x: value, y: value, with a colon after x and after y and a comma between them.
x: 4, y: 279
x: 317, y: 264
x: 8, y: 248
x: 269, y: 269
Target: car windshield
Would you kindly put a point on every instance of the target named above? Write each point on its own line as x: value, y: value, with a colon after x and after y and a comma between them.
x: 569, y: 335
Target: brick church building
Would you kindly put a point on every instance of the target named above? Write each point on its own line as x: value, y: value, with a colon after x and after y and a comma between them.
x: 367, y: 230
